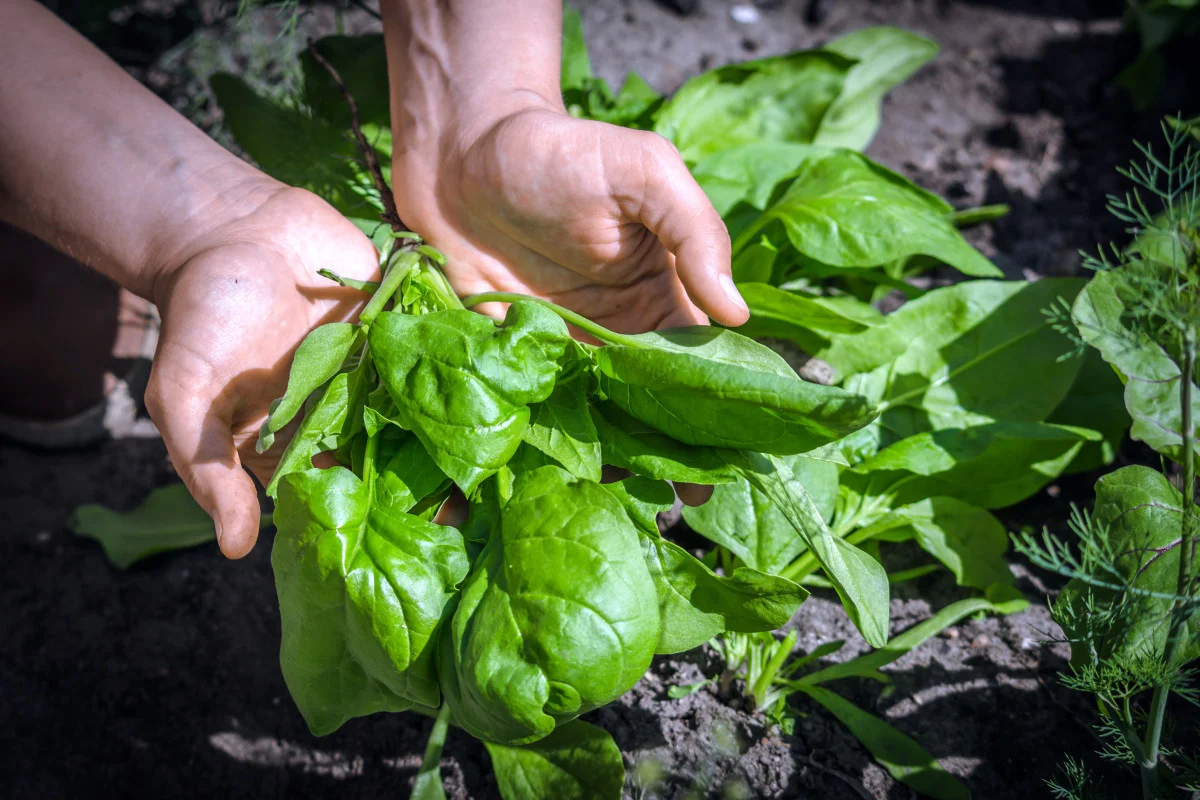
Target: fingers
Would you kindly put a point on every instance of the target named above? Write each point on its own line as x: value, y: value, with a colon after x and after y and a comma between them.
x: 200, y: 444
x: 676, y: 210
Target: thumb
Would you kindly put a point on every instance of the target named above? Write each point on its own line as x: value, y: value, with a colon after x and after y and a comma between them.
x: 200, y: 443
x: 675, y: 209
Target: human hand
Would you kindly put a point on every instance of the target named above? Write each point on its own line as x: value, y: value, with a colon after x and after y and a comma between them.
x: 603, y: 220
x: 236, y: 300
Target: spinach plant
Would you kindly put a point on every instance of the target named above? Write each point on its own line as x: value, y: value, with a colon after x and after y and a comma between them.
x: 1129, y: 609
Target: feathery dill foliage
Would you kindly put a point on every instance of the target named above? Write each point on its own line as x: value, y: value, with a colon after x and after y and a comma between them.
x: 1129, y: 620
x: 1159, y: 273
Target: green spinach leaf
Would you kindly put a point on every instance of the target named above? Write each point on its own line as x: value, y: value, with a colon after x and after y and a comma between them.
x: 363, y: 588
x: 317, y: 359
x: 558, y: 616
x: 464, y: 385
x: 628, y: 443
x: 577, y: 761
x: 713, y: 387
x: 561, y: 426
x: 779, y: 99
x: 886, y: 57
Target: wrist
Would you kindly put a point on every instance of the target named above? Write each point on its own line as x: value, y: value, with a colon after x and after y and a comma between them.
x: 205, y: 211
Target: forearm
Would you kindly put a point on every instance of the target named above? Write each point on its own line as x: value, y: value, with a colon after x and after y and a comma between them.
x: 95, y: 164
x: 456, y: 66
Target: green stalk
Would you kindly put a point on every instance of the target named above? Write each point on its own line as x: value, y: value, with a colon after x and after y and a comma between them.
x: 1158, y: 702
x: 579, y: 321
x: 400, y: 267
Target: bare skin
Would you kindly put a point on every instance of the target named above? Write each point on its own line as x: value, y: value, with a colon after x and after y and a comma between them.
x: 521, y: 197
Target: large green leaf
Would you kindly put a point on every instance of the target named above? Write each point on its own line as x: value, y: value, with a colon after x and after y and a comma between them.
x: 631, y: 444
x: 558, y: 616
x: 779, y: 99
x: 900, y: 755
x: 695, y: 604
x: 991, y: 465
x: 803, y: 317
x: 1152, y: 376
x: 577, y: 761
x: 714, y: 387
x: 746, y: 522
x: 845, y: 211
x: 464, y: 385
x: 973, y: 352
x: 967, y: 539
x: 1142, y: 514
x: 168, y: 519
x: 886, y: 57
x: 363, y: 588
x: 860, y: 581
x: 748, y: 173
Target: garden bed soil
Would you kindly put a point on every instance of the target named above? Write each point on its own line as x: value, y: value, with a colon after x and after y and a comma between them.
x: 163, y: 681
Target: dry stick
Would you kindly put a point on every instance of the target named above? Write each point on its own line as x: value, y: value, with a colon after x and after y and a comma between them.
x: 390, y: 215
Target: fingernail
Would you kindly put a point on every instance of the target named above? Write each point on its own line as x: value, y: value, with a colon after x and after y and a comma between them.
x: 731, y: 291
x: 216, y: 526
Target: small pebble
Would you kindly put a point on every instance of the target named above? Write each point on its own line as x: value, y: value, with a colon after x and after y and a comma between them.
x: 980, y: 641
x: 1054, y: 490
x: 42, y: 537
x: 950, y: 633
x: 744, y: 15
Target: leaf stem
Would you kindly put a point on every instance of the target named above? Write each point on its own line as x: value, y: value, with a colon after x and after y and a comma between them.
x: 1180, y: 609
x: 578, y: 320
x: 396, y: 273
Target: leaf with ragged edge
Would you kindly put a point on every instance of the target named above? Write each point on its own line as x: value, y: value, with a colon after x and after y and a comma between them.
x: 631, y: 444
x: 860, y: 581
x: 991, y: 466
x: 967, y: 539
x: 695, y: 604
x: 168, y: 519
x: 561, y: 426
x: 899, y: 754
x: 960, y: 343
x: 329, y: 424
x: 886, y: 57
x: 1096, y: 400
x: 746, y: 522
x: 779, y: 99
x: 363, y: 588
x: 713, y: 387
x: 577, y: 761
x: 846, y: 211
x: 558, y: 615
x: 1143, y: 515
x: 1151, y: 376
x: 464, y: 385
x: 317, y: 359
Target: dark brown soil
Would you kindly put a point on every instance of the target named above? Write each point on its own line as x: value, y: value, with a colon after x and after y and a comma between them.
x: 163, y: 681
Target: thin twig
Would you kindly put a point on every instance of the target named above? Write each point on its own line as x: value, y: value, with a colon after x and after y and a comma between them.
x: 390, y: 215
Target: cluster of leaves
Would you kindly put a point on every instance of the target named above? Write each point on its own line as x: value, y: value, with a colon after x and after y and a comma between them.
x: 1129, y: 609
x: 555, y: 593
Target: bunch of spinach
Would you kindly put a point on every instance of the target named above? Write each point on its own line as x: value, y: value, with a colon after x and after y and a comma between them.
x: 1129, y: 610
